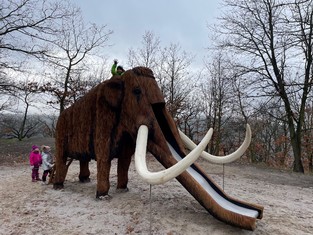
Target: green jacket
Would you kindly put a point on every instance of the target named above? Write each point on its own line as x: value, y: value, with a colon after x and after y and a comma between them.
x: 114, y: 70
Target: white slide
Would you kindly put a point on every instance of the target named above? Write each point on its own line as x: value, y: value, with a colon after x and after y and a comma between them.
x: 227, y: 209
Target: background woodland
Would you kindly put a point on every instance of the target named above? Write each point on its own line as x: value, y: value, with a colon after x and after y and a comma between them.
x: 258, y: 70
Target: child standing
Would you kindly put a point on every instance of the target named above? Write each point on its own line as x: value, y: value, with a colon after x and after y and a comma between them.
x: 47, y: 162
x: 35, y: 161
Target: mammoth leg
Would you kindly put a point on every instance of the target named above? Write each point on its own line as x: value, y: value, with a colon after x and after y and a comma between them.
x: 123, y: 167
x: 60, y: 172
x: 84, y: 171
x: 103, y: 173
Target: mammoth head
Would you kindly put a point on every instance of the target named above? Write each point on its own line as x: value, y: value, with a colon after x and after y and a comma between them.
x: 131, y: 98
x: 134, y: 88
x: 111, y: 94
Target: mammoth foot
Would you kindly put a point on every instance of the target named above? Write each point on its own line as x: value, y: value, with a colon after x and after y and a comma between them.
x: 84, y: 179
x: 103, y: 196
x: 122, y: 190
x: 58, y: 186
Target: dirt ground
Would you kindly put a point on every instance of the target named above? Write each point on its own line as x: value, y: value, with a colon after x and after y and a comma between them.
x: 34, y: 208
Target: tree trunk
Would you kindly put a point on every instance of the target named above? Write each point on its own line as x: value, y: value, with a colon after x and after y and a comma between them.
x: 22, y: 127
x: 310, y: 157
x: 66, y: 84
x: 296, y: 147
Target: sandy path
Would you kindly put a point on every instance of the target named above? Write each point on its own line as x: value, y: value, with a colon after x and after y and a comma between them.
x: 33, y: 208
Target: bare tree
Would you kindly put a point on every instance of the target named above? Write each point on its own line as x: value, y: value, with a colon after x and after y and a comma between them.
x: 271, y: 39
x: 190, y: 120
x: 20, y: 127
x: 308, y: 135
x: 11, y: 123
x: 48, y: 123
x: 270, y: 136
x: 174, y: 77
x: 24, y: 27
x: 5, y: 87
x: 25, y: 92
x: 24, y: 24
x: 72, y: 46
x: 148, y: 54
x: 217, y: 97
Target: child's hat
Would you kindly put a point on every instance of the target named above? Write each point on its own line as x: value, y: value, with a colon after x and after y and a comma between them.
x: 35, y: 147
x: 120, y: 68
x: 45, y: 147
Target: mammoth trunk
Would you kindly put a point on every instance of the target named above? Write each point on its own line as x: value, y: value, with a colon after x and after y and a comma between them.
x: 168, y: 128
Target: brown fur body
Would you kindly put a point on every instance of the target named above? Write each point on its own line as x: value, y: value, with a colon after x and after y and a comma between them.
x: 103, y: 125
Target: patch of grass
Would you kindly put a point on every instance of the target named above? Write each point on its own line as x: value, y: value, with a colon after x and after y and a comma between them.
x: 13, y: 151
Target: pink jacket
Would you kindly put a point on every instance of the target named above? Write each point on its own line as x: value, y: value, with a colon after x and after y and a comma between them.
x: 35, y: 159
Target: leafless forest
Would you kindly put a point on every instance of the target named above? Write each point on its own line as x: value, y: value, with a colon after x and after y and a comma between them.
x: 260, y: 72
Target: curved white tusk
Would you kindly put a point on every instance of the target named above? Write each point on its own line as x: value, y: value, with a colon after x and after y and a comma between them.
x: 220, y: 159
x: 170, y: 173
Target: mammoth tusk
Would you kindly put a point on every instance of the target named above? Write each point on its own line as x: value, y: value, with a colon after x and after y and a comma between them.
x: 220, y: 159
x: 170, y: 173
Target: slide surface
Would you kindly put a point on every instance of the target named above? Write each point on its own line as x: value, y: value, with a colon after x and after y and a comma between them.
x: 215, y: 201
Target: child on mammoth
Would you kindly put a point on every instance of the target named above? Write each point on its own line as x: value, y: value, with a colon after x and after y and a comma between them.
x: 47, y: 162
x: 117, y: 70
x: 35, y: 161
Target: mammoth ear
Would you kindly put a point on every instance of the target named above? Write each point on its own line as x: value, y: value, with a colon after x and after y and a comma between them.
x: 111, y: 93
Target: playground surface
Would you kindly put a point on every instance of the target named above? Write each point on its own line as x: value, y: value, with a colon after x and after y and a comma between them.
x: 34, y: 208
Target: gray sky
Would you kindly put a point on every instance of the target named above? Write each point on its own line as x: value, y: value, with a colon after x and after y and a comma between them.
x: 173, y: 21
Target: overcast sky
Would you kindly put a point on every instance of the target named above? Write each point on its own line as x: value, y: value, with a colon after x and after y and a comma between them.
x: 173, y: 21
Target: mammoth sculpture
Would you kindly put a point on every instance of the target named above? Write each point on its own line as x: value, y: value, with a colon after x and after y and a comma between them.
x: 104, y: 124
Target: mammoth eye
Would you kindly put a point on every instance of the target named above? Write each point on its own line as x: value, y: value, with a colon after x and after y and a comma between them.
x: 137, y: 91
